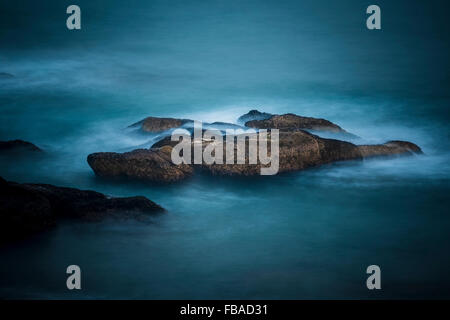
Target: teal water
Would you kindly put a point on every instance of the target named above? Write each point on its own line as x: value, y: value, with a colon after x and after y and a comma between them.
x: 308, y: 234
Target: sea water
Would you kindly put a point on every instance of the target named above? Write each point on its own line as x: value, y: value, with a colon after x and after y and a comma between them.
x: 308, y: 234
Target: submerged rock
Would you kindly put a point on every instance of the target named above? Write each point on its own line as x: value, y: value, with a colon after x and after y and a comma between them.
x: 29, y: 208
x: 298, y: 150
x: 17, y: 146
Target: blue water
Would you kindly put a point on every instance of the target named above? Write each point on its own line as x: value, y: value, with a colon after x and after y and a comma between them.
x: 308, y: 234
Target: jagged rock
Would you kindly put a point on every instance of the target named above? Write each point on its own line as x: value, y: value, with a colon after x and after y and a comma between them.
x: 29, y: 208
x: 155, y: 124
x: 253, y: 115
x: 298, y: 150
x: 291, y: 121
x: 142, y: 164
x: 17, y: 146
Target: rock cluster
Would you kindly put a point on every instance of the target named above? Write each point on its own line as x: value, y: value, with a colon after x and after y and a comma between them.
x: 298, y: 150
x: 29, y: 208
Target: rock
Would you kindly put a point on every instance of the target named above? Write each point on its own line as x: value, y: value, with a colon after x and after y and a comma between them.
x: 22, y: 212
x: 155, y: 124
x: 390, y: 148
x: 253, y: 115
x: 17, y: 146
x: 298, y: 150
x: 291, y: 121
x: 29, y: 208
x: 166, y: 141
x: 143, y: 164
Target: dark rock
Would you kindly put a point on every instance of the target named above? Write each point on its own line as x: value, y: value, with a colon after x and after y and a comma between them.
x: 253, y: 115
x: 298, y: 150
x: 22, y: 212
x: 291, y: 121
x: 29, y: 208
x: 166, y: 141
x: 144, y: 164
x: 155, y: 124
x: 17, y: 146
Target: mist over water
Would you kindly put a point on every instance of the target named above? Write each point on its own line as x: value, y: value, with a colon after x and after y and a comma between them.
x: 308, y: 234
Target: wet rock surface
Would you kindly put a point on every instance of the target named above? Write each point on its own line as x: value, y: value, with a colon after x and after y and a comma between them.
x: 253, y: 119
x: 156, y: 124
x: 153, y: 164
x: 291, y: 121
x: 298, y: 150
x: 29, y: 208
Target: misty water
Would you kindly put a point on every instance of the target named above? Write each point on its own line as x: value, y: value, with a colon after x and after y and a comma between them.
x: 307, y: 234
